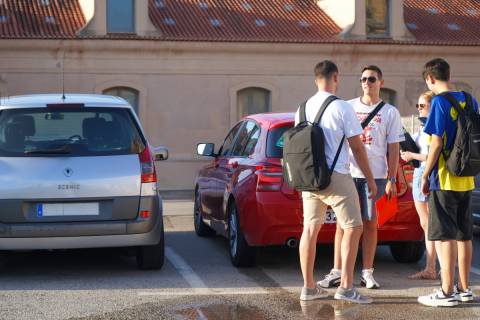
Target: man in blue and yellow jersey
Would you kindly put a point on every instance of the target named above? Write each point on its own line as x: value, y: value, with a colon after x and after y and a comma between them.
x: 450, y: 220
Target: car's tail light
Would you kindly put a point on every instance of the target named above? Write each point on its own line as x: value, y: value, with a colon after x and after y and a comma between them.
x: 269, y: 177
x: 145, y: 214
x: 405, y: 177
x: 147, y: 165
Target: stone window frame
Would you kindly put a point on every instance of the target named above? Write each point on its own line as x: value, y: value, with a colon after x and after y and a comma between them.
x: 393, y: 93
x: 388, y: 20
x: 234, y: 115
x: 136, y: 92
x: 267, y: 95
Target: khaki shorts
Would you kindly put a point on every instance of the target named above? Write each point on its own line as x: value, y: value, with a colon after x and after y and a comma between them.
x: 341, y: 195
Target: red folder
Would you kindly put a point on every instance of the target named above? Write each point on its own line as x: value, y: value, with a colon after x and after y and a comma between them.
x: 386, y: 209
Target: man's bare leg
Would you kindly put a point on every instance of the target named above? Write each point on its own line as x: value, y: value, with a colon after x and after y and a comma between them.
x: 349, y: 250
x: 449, y: 259
x: 369, y: 242
x: 308, y: 250
x: 465, y: 251
x: 337, y: 255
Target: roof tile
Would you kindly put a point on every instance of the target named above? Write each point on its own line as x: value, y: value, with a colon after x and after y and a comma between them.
x: 40, y: 18
x: 249, y: 20
x: 444, y: 21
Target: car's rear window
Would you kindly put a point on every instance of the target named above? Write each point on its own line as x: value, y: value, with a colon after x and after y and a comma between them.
x: 68, y: 132
x: 275, y: 142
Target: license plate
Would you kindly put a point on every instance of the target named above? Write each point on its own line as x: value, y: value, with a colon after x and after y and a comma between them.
x: 330, y: 216
x: 67, y: 209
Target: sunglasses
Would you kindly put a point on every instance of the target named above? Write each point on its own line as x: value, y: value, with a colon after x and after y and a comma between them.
x: 370, y: 79
x: 420, y: 105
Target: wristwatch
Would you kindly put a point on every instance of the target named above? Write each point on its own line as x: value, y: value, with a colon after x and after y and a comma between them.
x: 392, y: 179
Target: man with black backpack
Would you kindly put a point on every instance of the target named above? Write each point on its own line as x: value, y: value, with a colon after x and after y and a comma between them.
x: 452, y: 162
x: 337, y: 121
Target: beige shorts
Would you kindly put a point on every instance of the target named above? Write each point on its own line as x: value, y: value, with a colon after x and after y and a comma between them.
x: 341, y: 195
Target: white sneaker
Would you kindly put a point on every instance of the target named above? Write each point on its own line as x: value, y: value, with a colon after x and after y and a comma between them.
x: 463, y: 296
x: 331, y: 280
x: 351, y: 295
x: 438, y: 299
x: 367, y: 280
x: 313, y: 294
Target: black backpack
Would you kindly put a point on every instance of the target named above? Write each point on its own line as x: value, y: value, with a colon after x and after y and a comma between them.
x: 304, y: 162
x: 464, y: 157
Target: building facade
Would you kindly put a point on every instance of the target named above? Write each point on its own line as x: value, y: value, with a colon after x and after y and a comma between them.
x: 193, y: 68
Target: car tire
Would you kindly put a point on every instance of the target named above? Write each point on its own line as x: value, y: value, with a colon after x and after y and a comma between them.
x: 152, y: 257
x: 407, y: 252
x: 201, y: 228
x: 241, y: 254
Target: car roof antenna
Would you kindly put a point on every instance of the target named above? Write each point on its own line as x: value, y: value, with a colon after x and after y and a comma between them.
x: 63, y: 74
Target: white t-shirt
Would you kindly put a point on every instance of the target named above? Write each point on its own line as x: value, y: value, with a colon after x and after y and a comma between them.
x: 421, y: 139
x: 384, y: 128
x: 338, y: 120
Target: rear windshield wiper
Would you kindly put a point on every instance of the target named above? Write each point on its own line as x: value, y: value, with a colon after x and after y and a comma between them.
x: 60, y: 150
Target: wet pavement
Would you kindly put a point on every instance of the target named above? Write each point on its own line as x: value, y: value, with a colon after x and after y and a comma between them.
x: 278, y: 306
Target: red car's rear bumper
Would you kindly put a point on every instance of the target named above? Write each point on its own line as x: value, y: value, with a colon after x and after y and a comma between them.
x: 278, y: 219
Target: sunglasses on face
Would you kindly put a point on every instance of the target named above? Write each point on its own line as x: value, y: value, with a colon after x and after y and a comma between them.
x: 420, y: 105
x: 369, y: 79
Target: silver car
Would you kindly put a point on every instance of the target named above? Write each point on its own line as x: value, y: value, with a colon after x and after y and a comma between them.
x: 77, y: 172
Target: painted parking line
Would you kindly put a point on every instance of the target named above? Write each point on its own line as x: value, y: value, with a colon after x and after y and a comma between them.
x: 206, y: 292
x: 186, y: 271
x: 198, y: 287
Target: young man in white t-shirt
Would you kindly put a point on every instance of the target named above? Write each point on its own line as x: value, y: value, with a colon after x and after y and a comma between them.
x: 381, y: 137
x: 338, y: 121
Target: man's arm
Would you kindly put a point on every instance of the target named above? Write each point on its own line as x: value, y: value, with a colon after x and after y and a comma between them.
x: 436, y: 145
x: 393, y: 158
x: 361, y: 158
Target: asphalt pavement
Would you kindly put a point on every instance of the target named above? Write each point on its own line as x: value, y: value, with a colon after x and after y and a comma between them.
x: 199, y: 282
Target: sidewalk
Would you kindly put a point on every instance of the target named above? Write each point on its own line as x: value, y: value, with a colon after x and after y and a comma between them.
x: 177, y: 194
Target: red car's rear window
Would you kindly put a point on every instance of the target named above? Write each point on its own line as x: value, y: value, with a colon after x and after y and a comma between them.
x: 275, y: 141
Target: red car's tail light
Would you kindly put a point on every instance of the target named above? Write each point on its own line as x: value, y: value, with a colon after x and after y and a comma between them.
x: 269, y: 178
x: 405, y: 177
x: 147, y: 166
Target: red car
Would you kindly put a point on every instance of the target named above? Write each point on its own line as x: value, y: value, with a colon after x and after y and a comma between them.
x: 242, y: 196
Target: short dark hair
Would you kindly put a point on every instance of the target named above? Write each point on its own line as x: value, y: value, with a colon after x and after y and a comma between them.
x: 325, y: 69
x: 438, y: 68
x: 374, y: 68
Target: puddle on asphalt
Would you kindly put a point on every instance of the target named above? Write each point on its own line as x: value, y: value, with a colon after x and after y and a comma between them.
x: 326, y: 311
x: 220, y: 312
x: 383, y: 308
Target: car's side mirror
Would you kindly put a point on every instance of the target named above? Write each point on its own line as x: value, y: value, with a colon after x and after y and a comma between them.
x: 206, y: 149
x: 160, y: 153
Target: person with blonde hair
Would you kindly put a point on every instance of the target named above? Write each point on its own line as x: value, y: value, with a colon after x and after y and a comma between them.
x: 421, y: 200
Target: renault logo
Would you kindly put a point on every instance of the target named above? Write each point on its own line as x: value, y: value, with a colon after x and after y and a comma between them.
x: 67, y: 172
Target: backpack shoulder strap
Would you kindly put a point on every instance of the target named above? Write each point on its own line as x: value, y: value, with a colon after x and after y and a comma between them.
x: 324, y: 106
x: 337, y: 155
x: 372, y: 114
x: 469, y: 102
x: 303, y: 116
x: 453, y: 101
